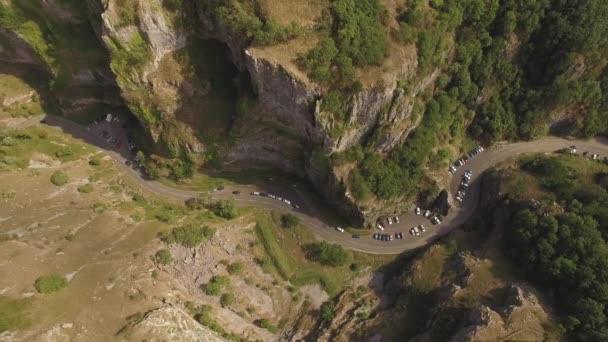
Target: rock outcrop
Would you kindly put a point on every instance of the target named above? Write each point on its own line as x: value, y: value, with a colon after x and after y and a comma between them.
x: 169, y: 323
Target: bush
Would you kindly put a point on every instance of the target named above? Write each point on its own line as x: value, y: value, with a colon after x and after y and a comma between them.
x: 64, y: 152
x: 235, y: 268
x: 215, y: 286
x: 50, y: 284
x: 328, y: 254
x: 94, y: 161
x: 227, y: 299
x: 164, y: 257
x: 226, y: 209
x: 59, y: 178
x: 86, y: 188
x: 265, y: 324
x: 327, y: 312
x: 188, y: 236
x: 289, y: 221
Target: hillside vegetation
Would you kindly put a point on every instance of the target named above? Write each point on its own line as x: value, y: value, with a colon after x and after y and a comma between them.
x: 560, y: 241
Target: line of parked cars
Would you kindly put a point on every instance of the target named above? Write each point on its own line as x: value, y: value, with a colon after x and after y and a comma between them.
x: 418, y: 230
x: 278, y: 198
x: 462, y: 161
x: 593, y: 156
x: 464, y: 185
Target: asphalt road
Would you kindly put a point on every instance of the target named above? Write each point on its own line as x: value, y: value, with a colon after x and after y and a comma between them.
x: 308, y: 214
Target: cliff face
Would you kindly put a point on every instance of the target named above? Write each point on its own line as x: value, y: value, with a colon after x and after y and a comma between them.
x: 155, y: 61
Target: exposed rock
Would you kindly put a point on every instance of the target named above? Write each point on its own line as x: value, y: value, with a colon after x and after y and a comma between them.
x: 521, y: 319
x: 169, y: 323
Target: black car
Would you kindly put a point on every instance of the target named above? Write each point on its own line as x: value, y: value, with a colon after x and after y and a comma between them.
x: 128, y: 163
x: 236, y: 192
x: 356, y: 236
x: 220, y: 188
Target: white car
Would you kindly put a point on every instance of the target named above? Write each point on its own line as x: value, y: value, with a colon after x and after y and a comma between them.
x: 412, y: 232
x: 458, y: 198
x: 287, y: 201
x: 390, y: 220
x: 436, y: 220
x: 452, y: 169
x: 417, y: 210
x: 341, y: 230
x: 427, y: 213
x: 255, y: 193
x: 396, y: 219
x: 381, y: 227
x: 422, y: 228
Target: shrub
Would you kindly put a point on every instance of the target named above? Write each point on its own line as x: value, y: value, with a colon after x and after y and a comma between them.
x: 188, y: 236
x: 226, y: 209
x: 64, y: 152
x: 265, y: 324
x: 327, y: 312
x: 86, y: 188
x: 215, y: 286
x: 328, y: 254
x: 289, y: 221
x: 94, y: 161
x: 164, y: 257
x: 235, y: 268
x: 50, y: 284
x: 227, y: 299
x: 59, y: 178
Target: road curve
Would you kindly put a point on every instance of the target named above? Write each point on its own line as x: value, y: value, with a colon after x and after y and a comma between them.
x: 307, y: 215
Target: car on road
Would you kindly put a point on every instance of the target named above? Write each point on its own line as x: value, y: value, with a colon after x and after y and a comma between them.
x: 356, y: 236
x: 236, y: 192
x: 340, y: 229
x: 417, y: 210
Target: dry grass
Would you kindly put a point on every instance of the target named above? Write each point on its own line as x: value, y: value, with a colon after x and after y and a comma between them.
x: 301, y: 12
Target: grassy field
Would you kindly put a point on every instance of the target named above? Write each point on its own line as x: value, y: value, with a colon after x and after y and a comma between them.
x: 13, y: 314
x: 283, y: 256
x: 17, y: 147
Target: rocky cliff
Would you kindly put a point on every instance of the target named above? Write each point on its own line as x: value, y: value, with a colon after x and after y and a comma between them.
x: 159, y: 69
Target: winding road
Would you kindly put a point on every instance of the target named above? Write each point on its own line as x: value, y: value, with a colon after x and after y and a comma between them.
x: 309, y: 214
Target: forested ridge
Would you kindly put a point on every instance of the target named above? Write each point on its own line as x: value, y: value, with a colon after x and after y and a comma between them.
x: 560, y: 242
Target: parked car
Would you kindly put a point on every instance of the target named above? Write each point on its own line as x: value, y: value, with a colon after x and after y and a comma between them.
x: 390, y: 220
x: 341, y: 230
x: 396, y: 219
x: 255, y: 193
x: 128, y: 163
x: 356, y: 236
x: 422, y: 228
x: 380, y: 226
x: 427, y: 213
x: 417, y: 210
x: 436, y: 220
x: 376, y: 235
x: 236, y: 192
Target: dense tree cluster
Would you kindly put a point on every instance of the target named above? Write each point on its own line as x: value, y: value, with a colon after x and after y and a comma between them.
x: 354, y: 36
x: 566, y: 251
x: 247, y: 20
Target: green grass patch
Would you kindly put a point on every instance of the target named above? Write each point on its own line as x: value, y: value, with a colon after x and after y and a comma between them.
x: 13, y: 315
x: 50, y: 284
x: 164, y: 257
x: 188, y: 236
x: 282, y: 255
x: 18, y: 146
